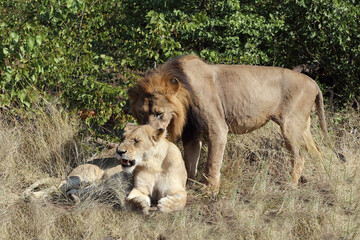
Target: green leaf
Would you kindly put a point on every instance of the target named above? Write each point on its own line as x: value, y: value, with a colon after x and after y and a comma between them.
x: 38, y: 39
x: 5, y: 51
x: 22, y: 96
x: 14, y: 36
x: 31, y: 42
x: 69, y: 3
x: 26, y: 103
x: 156, y: 56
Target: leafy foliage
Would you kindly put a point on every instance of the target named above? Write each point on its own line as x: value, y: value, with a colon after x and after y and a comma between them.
x: 85, y: 52
x: 51, y: 49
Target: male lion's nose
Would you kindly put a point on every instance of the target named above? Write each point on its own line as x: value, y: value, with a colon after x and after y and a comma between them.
x: 120, y: 152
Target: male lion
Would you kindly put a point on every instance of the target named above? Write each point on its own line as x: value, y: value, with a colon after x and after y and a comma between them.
x: 159, y: 170
x: 191, y: 98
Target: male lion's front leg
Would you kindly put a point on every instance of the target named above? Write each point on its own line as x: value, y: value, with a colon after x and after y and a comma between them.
x: 217, y: 143
x: 137, y: 199
x: 192, y: 150
x: 172, y: 203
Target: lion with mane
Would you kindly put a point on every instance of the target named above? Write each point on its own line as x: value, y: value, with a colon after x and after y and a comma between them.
x: 191, y: 98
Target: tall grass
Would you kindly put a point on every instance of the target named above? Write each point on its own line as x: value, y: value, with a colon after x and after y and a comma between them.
x: 255, y: 200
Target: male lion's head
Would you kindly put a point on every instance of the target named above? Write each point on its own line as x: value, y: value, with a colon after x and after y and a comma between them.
x: 138, y: 146
x: 161, y: 99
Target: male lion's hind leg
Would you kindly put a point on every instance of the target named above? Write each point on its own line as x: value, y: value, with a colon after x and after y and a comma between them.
x: 172, y: 203
x: 139, y: 200
x: 309, y: 143
x: 292, y: 133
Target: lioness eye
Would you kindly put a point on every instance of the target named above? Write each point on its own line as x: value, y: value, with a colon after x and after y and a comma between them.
x: 135, y: 141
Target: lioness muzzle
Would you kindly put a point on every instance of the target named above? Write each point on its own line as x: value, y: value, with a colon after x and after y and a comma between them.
x: 127, y: 163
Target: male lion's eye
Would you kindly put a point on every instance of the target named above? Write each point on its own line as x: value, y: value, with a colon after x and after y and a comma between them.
x: 158, y: 114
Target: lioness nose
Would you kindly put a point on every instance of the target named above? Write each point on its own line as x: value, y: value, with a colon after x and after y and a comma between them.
x: 120, y: 152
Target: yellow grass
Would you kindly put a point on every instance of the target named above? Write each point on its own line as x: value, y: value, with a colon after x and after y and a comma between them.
x: 255, y: 199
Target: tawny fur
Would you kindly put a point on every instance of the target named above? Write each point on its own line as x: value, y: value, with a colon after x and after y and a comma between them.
x: 159, y: 170
x: 192, y: 98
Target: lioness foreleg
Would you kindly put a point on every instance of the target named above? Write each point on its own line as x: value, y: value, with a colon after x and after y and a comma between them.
x: 172, y: 203
x: 139, y: 200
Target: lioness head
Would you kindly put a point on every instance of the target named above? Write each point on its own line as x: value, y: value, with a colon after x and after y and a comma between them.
x: 161, y: 100
x: 138, y: 145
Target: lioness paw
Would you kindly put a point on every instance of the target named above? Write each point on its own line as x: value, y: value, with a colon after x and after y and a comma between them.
x: 165, y: 205
x: 141, y: 204
x: 171, y: 203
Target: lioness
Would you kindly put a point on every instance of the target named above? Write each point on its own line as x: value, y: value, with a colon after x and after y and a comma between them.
x: 191, y: 98
x: 159, y: 170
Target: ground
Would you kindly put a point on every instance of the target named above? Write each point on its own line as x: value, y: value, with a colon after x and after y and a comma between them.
x: 255, y: 200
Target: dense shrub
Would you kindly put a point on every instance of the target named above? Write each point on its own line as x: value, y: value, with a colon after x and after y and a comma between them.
x: 53, y: 48
x: 85, y: 52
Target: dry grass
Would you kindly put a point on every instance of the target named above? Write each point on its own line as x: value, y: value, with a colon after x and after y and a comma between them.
x: 255, y: 201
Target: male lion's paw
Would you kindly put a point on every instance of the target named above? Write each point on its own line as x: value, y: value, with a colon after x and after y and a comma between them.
x: 140, y: 203
x: 209, y: 191
x: 211, y: 187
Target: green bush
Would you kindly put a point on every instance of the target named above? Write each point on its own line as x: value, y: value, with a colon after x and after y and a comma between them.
x: 52, y: 48
x: 85, y: 52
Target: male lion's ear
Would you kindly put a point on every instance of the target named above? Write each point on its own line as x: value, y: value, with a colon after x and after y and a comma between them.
x: 173, y: 85
x: 158, y: 134
x: 129, y: 126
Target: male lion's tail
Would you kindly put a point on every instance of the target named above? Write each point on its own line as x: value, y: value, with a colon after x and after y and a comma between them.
x: 319, y: 101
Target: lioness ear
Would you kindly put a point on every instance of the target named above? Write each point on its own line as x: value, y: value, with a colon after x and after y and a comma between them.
x: 173, y: 85
x: 129, y: 126
x: 158, y: 134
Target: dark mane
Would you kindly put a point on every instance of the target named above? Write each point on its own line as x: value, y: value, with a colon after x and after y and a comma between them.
x: 157, y: 81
